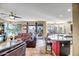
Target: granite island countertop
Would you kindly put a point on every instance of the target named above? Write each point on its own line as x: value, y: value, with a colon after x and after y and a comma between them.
x: 59, y: 38
x: 8, y: 44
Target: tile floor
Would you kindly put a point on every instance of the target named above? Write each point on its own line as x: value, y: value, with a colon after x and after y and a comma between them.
x: 40, y: 49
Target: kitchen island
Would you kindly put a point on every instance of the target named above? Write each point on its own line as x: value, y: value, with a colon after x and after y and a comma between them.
x: 59, y: 44
x: 12, y: 48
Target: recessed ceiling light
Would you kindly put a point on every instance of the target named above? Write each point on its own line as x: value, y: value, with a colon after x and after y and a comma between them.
x: 69, y: 10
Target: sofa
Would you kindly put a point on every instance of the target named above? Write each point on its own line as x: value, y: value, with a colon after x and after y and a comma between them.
x: 31, y: 43
x: 23, y: 36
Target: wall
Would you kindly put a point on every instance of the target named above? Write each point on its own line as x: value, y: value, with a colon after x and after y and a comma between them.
x: 75, y: 8
x: 24, y: 27
x: 44, y: 27
x: 67, y: 27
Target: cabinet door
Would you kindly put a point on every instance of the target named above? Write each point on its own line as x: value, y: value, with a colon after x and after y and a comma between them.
x: 56, y: 47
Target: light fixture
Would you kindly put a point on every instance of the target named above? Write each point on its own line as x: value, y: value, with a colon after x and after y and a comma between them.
x: 69, y: 10
x: 11, y: 17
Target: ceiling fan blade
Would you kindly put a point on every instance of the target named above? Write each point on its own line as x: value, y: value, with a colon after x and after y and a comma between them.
x: 17, y: 17
x: 3, y: 14
x: 11, y: 15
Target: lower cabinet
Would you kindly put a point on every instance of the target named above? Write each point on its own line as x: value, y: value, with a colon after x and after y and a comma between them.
x: 56, y: 48
x: 61, y: 48
x: 65, y: 48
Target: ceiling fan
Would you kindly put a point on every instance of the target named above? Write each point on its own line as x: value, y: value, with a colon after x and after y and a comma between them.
x: 11, y: 15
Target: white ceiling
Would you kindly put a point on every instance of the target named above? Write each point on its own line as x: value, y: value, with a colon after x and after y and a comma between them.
x: 36, y: 11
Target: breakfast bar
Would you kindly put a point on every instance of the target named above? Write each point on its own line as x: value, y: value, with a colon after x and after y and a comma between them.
x: 13, y: 48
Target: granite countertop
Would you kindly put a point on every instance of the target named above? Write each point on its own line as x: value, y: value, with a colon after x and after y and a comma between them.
x: 59, y: 38
x: 8, y: 44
